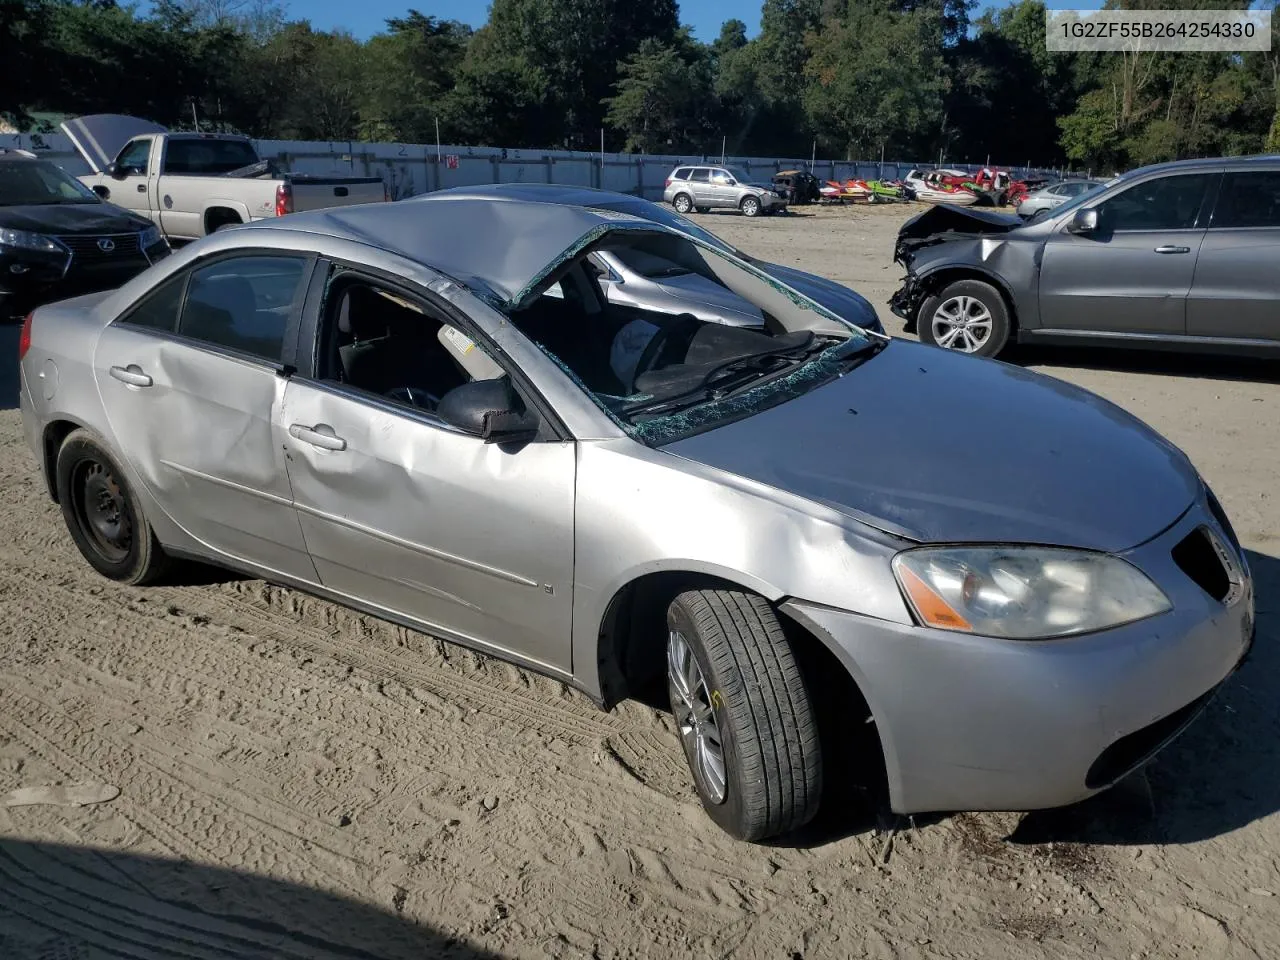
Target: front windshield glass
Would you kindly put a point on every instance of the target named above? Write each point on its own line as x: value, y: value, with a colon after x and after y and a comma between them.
x: 740, y: 175
x: 40, y: 183
x: 668, y: 369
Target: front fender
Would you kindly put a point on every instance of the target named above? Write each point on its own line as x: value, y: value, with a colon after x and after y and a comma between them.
x: 641, y: 511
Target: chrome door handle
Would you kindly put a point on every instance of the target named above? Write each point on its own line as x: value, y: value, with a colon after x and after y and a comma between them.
x: 321, y: 435
x: 142, y: 188
x: 1170, y: 248
x: 132, y: 375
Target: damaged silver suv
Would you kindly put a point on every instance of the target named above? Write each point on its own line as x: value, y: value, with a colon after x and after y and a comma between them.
x: 1173, y: 256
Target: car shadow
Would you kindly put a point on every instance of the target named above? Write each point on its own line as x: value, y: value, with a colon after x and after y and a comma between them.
x: 1155, y: 362
x: 1221, y: 774
x: 70, y: 901
x: 9, y: 334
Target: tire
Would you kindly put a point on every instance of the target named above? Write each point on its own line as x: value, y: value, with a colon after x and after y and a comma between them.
x: 750, y: 206
x: 682, y: 202
x: 972, y: 299
x: 736, y: 687
x: 703, y: 209
x: 96, y: 499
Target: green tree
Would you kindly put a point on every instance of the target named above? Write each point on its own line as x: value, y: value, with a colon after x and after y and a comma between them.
x: 665, y: 97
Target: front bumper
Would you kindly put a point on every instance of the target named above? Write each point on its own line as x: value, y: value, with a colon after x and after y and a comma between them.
x: 905, y: 303
x: 975, y: 723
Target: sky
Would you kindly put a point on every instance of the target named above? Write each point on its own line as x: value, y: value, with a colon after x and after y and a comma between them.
x: 366, y: 17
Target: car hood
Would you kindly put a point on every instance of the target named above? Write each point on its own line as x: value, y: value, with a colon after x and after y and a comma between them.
x: 691, y: 286
x: 840, y: 300
x: 943, y: 223
x: 99, y: 138
x: 72, y: 219
x: 939, y: 447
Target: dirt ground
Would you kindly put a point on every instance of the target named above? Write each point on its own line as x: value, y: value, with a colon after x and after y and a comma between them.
x: 296, y: 780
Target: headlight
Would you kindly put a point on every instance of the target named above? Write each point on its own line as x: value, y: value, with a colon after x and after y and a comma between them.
x: 150, y: 236
x: 29, y: 241
x: 1024, y: 593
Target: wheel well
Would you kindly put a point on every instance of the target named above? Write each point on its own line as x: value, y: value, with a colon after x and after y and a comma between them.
x: 631, y: 657
x: 54, y: 434
x: 215, y: 217
x: 935, y: 281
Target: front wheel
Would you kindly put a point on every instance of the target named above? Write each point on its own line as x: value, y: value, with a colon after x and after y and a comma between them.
x: 750, y: 206
x: 682, y: 202
x: 102, y: 514
x: 968, y: 316
x: 746, y: 722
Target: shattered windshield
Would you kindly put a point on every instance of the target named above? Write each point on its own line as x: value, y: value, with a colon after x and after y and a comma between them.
x: 671, y: 368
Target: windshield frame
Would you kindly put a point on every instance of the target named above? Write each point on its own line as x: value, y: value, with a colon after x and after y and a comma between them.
x: 48, y: 169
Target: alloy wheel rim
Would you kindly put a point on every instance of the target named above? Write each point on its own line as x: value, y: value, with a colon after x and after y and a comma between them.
x: 750, y: 208
x: 962, y: 323
x: 683, y: 205
x: 103, y: 511
x: 696, y: 718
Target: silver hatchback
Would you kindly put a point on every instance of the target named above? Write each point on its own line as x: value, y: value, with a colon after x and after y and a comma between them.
x: 720, y: 188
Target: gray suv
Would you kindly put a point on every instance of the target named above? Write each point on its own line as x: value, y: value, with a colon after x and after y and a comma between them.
x: 1175, y: 256
x: 724, y: 188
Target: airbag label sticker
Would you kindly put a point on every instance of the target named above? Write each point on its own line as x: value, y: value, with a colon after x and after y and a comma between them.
x: 461, y: 342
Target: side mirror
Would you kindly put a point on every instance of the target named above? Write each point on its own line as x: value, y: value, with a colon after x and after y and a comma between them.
x: 490, y: 410
x: 115, y: 171
x: 1084, y: 221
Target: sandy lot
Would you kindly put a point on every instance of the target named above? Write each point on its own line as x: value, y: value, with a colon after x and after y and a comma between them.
x: 300, y: 781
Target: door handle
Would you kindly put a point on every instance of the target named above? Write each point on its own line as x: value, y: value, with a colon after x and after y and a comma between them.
x: 142, y: 188
x: 132, y: 375
x: 321, y: 435
x: 1170, y: 248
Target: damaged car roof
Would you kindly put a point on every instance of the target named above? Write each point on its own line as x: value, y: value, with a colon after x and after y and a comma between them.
x: 501, y: 248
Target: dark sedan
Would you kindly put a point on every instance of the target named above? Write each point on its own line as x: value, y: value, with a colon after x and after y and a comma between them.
x: 58, y: 239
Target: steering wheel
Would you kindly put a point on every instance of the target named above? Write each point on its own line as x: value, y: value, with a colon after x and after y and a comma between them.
x: 414, y: 397
x: 666, y: 341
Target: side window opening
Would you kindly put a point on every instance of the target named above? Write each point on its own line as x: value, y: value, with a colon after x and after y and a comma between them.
x: 681, y: 174
x: 1166, y: 203
x: 700, y: 176
x: 394, y: 347
x: 133, y: 158
x: 159, y: 309
x: 244, y: 303
x: 1249, y: 199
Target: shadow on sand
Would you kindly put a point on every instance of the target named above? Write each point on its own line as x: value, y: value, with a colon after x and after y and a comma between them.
x: 75, y: 902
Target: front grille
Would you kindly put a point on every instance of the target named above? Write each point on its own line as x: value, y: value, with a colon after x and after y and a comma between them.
x: 1197, y: 557
x: 87, y: 249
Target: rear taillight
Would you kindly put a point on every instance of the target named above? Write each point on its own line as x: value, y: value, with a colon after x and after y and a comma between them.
x: 668, y: 183
x: 284, y: 199
x: 24, y: 338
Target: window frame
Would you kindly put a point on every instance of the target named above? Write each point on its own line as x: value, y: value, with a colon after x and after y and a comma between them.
x: 309, y: 348
x: 1221, y: 191
x: 1208, y: 202
x: 286, y: 364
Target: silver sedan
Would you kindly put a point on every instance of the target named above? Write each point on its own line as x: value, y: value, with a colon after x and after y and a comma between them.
x: 430, y: 412
x: 1054, y: 195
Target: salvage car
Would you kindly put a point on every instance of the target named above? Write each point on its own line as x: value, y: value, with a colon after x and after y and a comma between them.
x: 1054, y: 195
x: 798, y: 186
x: 193, y: 184
x: 843, y: 302
x: 704, y: 189
x: 58, y: 239
x: 1172, y: 256
x: 386, y: 408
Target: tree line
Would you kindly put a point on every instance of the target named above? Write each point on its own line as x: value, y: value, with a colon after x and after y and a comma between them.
x: 847, y: 78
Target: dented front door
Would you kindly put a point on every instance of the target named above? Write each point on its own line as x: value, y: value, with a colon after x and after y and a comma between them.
x: 399, y: 511
x: 200, y: 429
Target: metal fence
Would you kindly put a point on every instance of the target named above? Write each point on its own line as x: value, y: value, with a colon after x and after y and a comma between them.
x: 409, y: 168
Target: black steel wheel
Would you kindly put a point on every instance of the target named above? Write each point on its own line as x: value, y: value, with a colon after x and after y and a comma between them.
x: 102, y: 514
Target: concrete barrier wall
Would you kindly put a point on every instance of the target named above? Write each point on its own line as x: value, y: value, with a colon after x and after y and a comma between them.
x: 413, y: 168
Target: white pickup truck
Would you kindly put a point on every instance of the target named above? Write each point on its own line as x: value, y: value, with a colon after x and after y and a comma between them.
x: 191, y: 184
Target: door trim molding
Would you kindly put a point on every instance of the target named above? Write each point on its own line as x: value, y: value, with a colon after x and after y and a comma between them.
x: 229, y: 484
x: 423, y: 549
